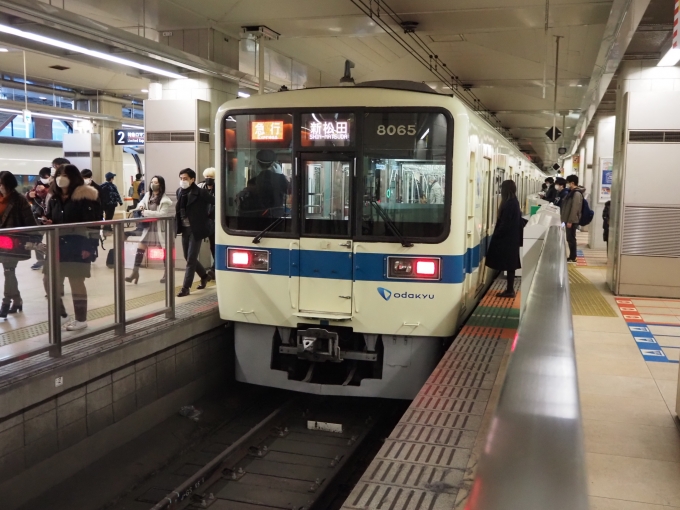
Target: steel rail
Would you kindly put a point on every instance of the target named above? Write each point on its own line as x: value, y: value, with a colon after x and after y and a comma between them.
x: 533, y: 457
x: 186, y: 488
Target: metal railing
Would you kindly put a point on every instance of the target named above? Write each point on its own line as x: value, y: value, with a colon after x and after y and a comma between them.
x: 533, y: 457
x: 50, y: 245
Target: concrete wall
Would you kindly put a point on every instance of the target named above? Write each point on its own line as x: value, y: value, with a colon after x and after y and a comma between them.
x: 55, y: 438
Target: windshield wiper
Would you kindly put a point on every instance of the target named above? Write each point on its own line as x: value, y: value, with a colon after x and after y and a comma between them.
x: 271, y: 226
x: 388, y: 221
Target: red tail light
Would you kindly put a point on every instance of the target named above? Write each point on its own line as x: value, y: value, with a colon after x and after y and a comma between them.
x: 6, y: 243
x: 426, y: 267
x: 156, y: 254
x: 414, y: 268
x: 253, y: 260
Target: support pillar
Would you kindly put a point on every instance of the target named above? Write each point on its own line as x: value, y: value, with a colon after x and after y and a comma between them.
x: 603, y: 150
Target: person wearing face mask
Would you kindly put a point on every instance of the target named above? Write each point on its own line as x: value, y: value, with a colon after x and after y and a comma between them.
x: 15, y: 211
x: 550, y: 191
x: 209, y: 185
x: 56, y: 163
x: 37, y: 197
x: 570, y: 213
x: 73, y: 202
x: 110, y: 198
x: 154, y: 204
x: 561, y: 191
x: 87, y: 177
x: 192, y: 213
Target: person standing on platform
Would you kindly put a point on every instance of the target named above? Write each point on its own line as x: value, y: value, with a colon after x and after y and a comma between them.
x: 37, y: 197
x: 551, y: 192
x: 571, y: 213
x: 503, y: 252
x: 209, y: 185
x: 605, y: 222
x: 154, y: 205
x: 72, y: 201
x: 137, y: 189
x: 192, y: 213
x: 110, y: 198
x: 15, y: 211
x: 561, y: 191
x: 56, y: 163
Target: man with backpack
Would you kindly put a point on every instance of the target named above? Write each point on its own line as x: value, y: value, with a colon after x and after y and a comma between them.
x: 110, y: 198
x: 574, y: 212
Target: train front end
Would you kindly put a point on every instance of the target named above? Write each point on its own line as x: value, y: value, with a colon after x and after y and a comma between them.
x: 337, y: 258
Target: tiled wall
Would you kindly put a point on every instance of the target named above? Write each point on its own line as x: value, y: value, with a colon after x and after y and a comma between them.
x: 37, y: 433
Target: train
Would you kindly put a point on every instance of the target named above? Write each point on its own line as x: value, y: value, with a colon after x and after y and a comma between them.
x: 351, y: 230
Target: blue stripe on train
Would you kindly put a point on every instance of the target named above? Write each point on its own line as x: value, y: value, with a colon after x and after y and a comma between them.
x: 367, y: 266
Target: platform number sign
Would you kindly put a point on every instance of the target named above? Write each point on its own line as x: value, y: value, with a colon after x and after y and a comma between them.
x: 128, y: 137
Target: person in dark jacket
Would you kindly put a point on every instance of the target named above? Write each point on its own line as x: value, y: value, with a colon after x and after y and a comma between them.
x: 561, y: 191
x: 15, y: 211
x: 72, y: 201
x: 570, y: 213
x: 89, y: 181
x: 605, y: 222
x: 192, y: 213
x: 37, y: 197
x: 209, y: 185
x: 110, y: 198
x: 550, y: 193
x: 503, y: 252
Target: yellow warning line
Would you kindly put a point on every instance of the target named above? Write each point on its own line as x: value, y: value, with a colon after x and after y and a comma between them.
x: 585, y: 298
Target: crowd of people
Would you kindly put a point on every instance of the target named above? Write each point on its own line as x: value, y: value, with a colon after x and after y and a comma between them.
x: 63, y: 194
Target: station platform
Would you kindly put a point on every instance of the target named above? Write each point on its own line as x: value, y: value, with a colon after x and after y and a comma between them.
x: 59, y: 413
x: 628, y: 392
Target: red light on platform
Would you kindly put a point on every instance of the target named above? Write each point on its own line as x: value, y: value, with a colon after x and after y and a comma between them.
x: 240, y: 258
x: 426, y: 267
x: 6, y: 243
x: 156, y: 254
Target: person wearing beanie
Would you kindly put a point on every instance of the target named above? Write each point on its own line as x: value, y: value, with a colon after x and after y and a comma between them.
x: 209, y: 185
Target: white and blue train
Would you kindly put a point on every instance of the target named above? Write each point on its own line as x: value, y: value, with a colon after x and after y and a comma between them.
x: 351, y: 230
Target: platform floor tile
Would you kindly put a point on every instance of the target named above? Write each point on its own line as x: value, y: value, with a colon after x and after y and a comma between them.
x: 428, y: 460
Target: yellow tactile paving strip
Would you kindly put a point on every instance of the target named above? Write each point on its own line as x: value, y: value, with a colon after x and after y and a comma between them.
x: 585, y: 298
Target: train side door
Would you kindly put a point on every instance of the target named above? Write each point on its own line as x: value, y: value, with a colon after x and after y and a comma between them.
x: 325, y: 238
x: 486, y: 219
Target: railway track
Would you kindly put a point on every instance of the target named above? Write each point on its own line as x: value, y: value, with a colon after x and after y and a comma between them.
x: 295, y: 457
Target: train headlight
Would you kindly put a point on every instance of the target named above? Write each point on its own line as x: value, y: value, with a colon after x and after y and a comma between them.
x: 252, y: 260
x: 414, y: 268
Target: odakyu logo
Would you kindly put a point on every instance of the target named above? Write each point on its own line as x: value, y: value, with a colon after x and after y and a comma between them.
x: 386, y: 294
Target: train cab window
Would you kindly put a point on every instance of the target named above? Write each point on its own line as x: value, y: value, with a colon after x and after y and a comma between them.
x: 258, y: 169
x: 406, y: 174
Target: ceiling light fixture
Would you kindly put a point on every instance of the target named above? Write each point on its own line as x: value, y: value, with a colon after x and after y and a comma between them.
x: 243, y: 94
x: 85, y: 51
x: 671, y: 58
x: 145, y: 90
x: 3, y: 50
x: 133, y: 127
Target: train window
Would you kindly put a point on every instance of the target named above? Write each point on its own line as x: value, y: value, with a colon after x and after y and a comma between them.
x: 258, y: 158
x: 405, y: 175
x: 326, y: 184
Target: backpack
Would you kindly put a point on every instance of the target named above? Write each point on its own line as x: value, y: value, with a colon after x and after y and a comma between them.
x: 587, y: 213
x: 104, y: 194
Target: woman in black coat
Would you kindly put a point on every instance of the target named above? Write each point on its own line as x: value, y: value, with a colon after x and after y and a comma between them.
x: 15, y: 211
x: 503, y: 253
x: 73, y: 201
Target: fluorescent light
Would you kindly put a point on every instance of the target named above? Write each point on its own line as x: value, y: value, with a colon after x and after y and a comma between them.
x: 43, y: 98
x: 133, y: 127
x: 243, y: 94
x: 670, y: 59
x: 145, y: 90
x: 425, y: 134
x: 85, y: 51
x: 3, y: 50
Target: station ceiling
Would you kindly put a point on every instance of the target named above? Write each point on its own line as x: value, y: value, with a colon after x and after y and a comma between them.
x: 503, y: 51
